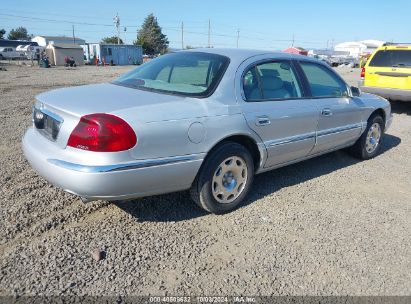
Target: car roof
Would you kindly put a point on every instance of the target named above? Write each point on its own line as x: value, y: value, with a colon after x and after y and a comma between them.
x: 243, y: 54
x: 395, y: 47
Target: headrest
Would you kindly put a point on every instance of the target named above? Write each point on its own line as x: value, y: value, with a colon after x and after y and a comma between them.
x: 271, y: 83
x: 270, y: 72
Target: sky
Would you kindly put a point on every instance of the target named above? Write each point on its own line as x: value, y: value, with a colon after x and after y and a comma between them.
x: 259, y: 24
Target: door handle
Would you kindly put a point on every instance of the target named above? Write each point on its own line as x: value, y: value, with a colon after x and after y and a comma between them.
x: 263, y: 121
x: 326, y: 112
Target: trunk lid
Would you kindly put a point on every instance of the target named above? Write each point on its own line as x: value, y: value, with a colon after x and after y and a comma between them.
x: 137, y: 107
x: 101, y: 98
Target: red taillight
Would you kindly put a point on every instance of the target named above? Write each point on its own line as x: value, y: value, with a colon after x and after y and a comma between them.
x: 362, y: 73
x: 102, y: 133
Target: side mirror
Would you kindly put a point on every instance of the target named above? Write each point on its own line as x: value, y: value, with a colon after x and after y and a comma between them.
x: 355, y: 91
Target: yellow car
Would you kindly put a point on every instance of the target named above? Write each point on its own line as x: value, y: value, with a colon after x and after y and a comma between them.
x: 388, y: 72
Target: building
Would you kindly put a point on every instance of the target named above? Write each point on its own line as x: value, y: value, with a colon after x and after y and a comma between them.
x: 357, y: 49
x: 45, y: 40
x: 119, y: 54
x: 296, y: 50
x: 372, y: 45
x: 57, y: 53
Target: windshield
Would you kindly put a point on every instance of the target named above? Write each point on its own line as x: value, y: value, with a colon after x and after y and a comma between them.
x: 391, y: 58
x: 185, y: 73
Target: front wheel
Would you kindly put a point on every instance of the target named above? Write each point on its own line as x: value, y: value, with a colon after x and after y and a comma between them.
x: 369, y: 144
x: 224, y: 179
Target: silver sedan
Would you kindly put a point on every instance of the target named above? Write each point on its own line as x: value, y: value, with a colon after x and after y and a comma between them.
x: 207, y: 120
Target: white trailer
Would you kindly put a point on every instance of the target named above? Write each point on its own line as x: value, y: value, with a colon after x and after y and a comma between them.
x: 30, y: 52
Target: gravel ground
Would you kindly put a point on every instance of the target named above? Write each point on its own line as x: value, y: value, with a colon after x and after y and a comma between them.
x: 328, y: 226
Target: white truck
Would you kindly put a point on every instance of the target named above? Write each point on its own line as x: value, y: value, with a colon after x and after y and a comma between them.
x: 10, y: 53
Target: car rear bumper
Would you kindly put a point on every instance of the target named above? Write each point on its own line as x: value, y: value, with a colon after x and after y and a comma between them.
x: 394, y: 94
x: 113, y: 181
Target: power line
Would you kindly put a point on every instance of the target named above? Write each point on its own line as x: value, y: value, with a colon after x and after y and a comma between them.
x: 53, y: 20
x: 168, y: 28
x: 182, y: 29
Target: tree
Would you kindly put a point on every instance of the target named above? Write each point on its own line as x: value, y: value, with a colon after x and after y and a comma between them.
x: 150, y: 37
x: 111, y: 40
x: 2, y: 33
x: 19, y: 33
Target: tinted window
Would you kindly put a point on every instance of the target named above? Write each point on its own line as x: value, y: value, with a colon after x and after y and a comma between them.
x: 185, y: 73
x: 273, y: 80
x: 391, y: 58
x: 323, y: 82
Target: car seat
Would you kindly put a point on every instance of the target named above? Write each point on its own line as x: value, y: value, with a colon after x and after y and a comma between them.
x: 272, y: 87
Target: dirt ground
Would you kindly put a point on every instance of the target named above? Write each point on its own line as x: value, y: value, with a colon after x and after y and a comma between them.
x: 332, y: 225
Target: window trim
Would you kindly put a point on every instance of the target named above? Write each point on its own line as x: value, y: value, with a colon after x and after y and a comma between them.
x: 307, y: 83
x: 272, y: 60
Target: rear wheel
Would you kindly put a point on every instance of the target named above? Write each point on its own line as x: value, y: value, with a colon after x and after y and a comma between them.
x: 224, y: 179
x: 369, y: 144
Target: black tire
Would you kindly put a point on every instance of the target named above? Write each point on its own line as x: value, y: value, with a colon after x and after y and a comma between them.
x: 202, y: 192
x: 359, y: 149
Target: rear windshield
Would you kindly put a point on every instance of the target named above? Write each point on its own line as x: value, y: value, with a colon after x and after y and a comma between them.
x: 186, y: 73
x: 392, y: 58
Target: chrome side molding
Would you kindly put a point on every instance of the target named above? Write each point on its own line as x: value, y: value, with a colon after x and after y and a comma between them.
x: 125, y: 166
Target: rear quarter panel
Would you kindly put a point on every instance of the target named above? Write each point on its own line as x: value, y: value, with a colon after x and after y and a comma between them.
x: 194, y: 126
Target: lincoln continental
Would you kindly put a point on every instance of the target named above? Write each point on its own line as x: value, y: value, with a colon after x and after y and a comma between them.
x: 204, y: 120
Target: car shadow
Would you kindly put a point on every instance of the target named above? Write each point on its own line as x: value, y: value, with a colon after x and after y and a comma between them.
x: 178, y: 206
x: 401, y: 107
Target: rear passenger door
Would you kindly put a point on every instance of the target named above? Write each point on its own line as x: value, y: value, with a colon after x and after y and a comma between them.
x: 339, y: 122
x: 275, y: 108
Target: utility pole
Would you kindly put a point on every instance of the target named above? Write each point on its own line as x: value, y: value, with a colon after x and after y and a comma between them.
x: 293, y: 40
x: 209, y: 33
x: 182, y: 35
x: 238, y: 36
x: 116, y: 21
x: 74, y: 37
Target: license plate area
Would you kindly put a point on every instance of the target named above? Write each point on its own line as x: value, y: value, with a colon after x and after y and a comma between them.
x: 47, y: 123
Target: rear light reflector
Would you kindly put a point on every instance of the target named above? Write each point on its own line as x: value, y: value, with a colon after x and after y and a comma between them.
x: 102, y: 133
x: 362, y: 73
